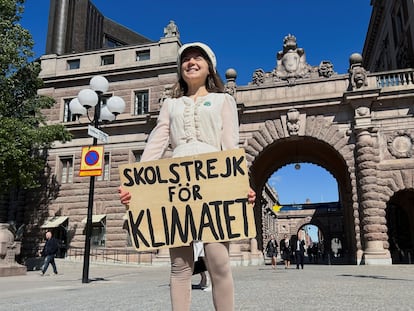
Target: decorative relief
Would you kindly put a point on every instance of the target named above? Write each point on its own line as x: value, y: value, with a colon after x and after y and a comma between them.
x: 291, y: 65
x: 358, y: 76
x: 291, y: 62
x: 166, y: 93
x: 171, y: 30
x: 230, y: 87
x: 326, y: 69
x: 362, y: 111
x: 258, y: 77
x: 400, y: 145
x: 293, y: 123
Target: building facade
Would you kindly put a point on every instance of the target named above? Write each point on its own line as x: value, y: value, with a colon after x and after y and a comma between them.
x: 77, y: 26
x: 389, y: 43
x: 359, y: 126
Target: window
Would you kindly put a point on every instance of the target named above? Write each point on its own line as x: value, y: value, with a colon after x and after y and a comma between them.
x: 104, y: 98
x: 98, y: 234
x: 110, y: 42
x: 67, y: 115
x: 128, y: 234
x: 125, y: 226
x: 98, y: 231
x: 129, y: 239
x: 107, y: 60
x: 105, y: 168
x: 397, y: 26
x: 66, y: 170
x: 73, y: 64
x: 137, y: 155
x: 143, y: 55
x: 405, y: 10
x: 141, y: 102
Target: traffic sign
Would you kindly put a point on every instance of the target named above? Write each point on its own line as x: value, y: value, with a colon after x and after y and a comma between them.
x: 98, y: 134
x: 91, y: 161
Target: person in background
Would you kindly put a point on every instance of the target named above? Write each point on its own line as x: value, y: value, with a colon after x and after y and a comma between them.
x: 299, y: 252
x: 49, y: 252
x: 205, y: 283
x: 271, y: 250
x: 200, y: 266
x: 200, y: 118
x: 286, y: 251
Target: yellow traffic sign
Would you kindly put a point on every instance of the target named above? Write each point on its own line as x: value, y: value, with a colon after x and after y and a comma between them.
x: 91, y: 161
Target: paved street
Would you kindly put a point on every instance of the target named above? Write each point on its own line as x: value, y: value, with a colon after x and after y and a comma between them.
x: 114, y: 287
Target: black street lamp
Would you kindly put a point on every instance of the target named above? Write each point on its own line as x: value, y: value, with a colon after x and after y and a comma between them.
x: 87, y: 99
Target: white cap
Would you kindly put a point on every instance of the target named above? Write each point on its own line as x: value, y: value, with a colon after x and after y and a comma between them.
x: 200, y: 46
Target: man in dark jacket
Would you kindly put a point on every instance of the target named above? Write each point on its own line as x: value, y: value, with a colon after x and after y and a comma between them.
x: 299, y: 252
x: 49, y: 252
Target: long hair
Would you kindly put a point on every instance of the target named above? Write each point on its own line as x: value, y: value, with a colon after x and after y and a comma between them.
x: 213, y: 83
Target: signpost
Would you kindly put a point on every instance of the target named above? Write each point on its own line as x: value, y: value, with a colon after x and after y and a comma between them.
x: 98, y: 134
x: 92, y: 156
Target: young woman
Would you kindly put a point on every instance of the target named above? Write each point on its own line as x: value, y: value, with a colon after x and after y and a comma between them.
x: 286, y: 251
x: 271, y: 250
x: 200, y: 118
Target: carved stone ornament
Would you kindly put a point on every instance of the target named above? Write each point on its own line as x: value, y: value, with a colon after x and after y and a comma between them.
x: 358, y: 76
x: 230, y: 86
x: 291, y: 62
x: 293, y: 123
x: 362, y: 111
x: 326, y: 69
x: 291, y: 66
x: 400, y: 145
x: 166, y: 93
x: 171, y: 30
x: 258, y: 77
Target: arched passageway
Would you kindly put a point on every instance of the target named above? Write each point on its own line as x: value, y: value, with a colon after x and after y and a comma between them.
x: 338, y: 223
x: 400, y: 223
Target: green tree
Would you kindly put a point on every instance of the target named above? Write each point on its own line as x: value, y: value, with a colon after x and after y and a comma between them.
x: 25, y: 136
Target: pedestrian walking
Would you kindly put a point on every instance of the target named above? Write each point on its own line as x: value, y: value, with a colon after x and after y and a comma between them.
x: 286, y: 251
x: 299, y: 252
x: 49, y: 252
x: 271, y: 250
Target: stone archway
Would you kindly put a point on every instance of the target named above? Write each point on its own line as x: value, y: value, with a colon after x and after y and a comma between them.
x: 315, y: 248
x: 318, y: 141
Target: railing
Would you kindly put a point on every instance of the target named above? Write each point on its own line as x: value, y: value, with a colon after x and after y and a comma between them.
x: 394, y: 78
x: 112, y: 255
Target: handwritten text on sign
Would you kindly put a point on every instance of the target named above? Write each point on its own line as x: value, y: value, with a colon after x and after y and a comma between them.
x: 175, y: 201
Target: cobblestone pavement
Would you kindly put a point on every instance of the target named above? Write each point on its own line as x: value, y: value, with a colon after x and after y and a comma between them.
x: 116, y: 287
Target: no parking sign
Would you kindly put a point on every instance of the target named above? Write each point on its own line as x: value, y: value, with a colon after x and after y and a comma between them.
x: 91, y: 161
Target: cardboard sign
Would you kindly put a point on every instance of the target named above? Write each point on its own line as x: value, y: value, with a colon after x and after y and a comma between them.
x: 175, y: 201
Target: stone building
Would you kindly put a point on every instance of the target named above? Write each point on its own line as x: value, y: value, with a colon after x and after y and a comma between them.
x: 77, y: 26
x: 142, y: 82
x: 359, y: 126
x: 389, y: 43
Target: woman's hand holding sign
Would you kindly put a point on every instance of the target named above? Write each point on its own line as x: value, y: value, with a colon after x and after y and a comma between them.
x: 124, y: 196
x: 251, y: 196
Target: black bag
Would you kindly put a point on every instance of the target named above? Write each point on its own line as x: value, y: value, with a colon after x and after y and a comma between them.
x: 199, y: 266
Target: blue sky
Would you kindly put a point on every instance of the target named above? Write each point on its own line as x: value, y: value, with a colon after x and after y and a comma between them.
x: 245, y: 35
x: 309, y: 182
